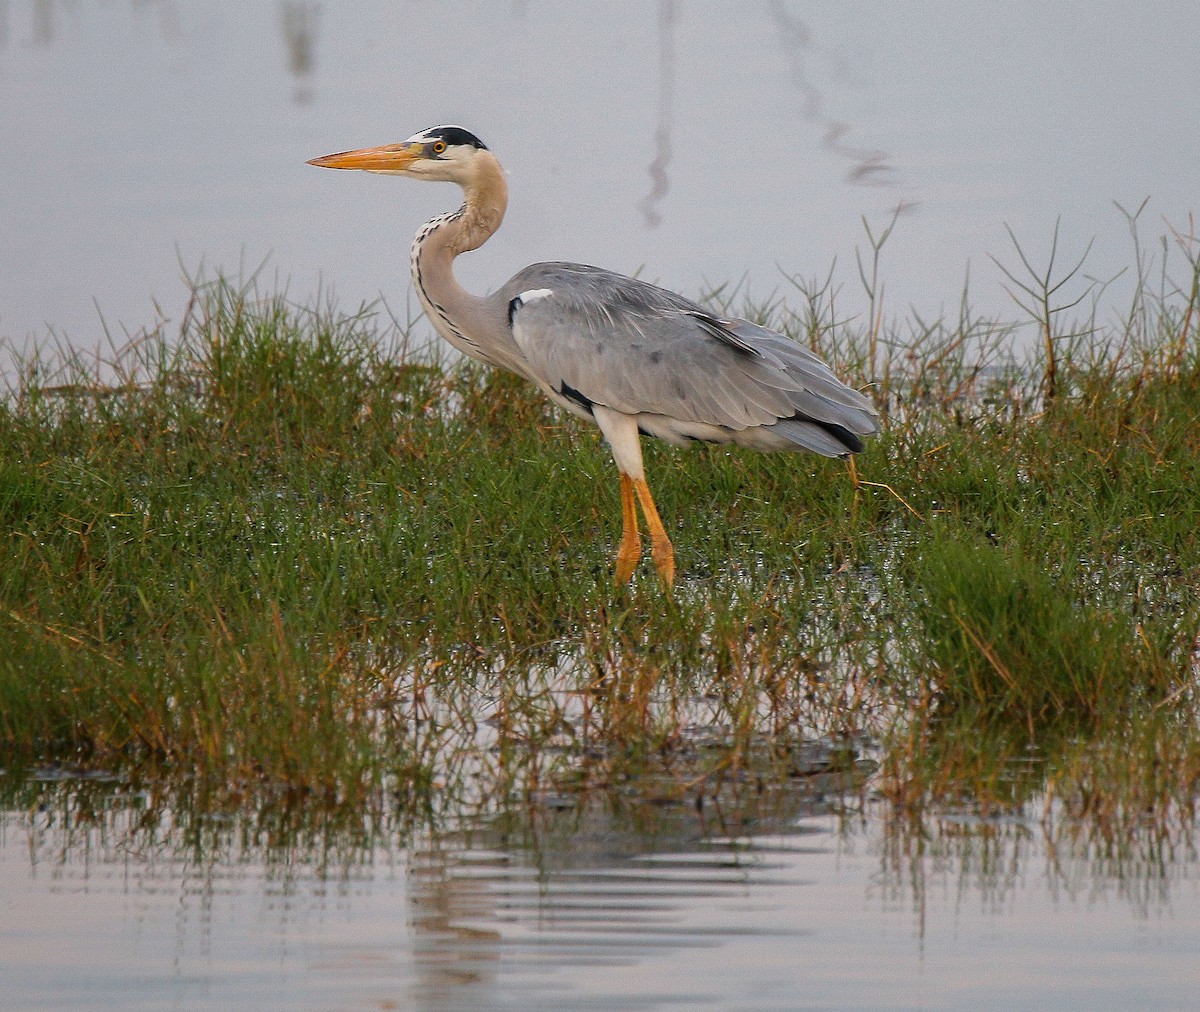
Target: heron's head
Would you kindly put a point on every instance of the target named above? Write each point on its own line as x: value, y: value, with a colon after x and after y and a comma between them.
x: 443, y: 153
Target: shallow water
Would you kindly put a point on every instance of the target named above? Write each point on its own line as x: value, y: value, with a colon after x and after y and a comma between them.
x: 701, y: 144
x: 111, y: 899
x: 721, y: 141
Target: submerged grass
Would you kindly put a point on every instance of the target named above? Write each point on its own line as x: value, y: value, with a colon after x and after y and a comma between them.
x: 282, y: 548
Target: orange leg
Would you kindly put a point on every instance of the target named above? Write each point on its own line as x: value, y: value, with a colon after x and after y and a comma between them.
x: 660, y: 545
x: 631, y: 543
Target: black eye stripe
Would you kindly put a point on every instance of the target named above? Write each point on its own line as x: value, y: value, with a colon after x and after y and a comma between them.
x: 451, y: 135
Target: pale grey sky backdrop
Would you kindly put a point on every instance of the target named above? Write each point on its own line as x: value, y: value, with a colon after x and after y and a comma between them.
x: 699, y: 142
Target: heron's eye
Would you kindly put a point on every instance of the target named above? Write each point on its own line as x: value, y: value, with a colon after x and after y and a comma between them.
x: 439, y: 147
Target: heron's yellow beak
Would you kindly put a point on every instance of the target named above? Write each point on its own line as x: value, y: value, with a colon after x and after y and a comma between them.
x: 389, y: 158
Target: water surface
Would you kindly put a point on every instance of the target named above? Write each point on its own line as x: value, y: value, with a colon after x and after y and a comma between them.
x: 813, y: 897
x: 702, y: 144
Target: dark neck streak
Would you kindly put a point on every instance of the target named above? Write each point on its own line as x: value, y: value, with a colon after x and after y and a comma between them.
x: 471, y: 324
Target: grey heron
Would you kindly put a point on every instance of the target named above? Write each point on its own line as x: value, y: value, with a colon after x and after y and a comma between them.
x: 631, y: 357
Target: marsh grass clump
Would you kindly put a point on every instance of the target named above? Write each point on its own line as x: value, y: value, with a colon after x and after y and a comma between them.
x: 1009, y: 642
x: 283, y: 549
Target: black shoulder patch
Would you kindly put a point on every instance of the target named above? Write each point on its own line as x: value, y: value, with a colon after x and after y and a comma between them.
x: 457, y: 135
x: 571, y: 394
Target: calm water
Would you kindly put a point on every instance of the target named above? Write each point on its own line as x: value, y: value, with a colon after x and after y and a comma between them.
x: 108, y: 900
x: 702, y: 143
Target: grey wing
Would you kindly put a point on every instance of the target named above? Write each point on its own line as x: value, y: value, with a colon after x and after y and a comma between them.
x: 591, y: 336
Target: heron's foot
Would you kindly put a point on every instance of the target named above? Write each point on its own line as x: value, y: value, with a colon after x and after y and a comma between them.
x: 631, y: 541
x: 627, y: 557
x: 660, y: 544
x: 634, y: 491
x: 664, y: 560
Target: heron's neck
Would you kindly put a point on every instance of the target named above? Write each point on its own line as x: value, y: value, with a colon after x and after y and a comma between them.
x: 461, y: 318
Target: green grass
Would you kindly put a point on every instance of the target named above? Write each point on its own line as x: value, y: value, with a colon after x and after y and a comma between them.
x: 281, y: 549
